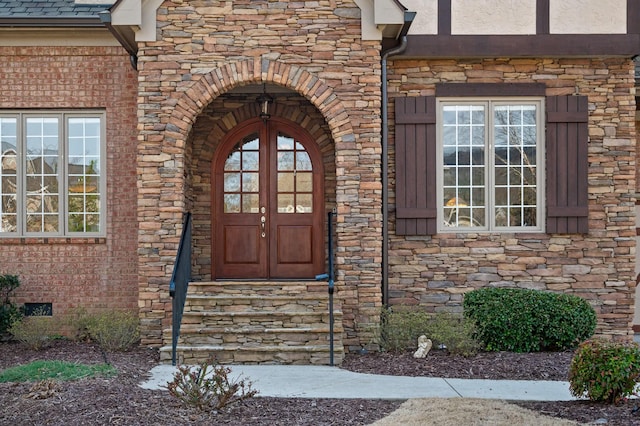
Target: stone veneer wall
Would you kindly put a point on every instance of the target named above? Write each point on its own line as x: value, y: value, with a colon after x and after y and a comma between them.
x: 205, y: 50
x: 436, y: 271
x: 94, y: 273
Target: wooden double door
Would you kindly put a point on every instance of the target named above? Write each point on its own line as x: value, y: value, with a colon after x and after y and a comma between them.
x: 268, y: 203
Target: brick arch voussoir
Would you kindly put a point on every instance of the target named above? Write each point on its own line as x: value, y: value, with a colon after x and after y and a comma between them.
x: 223, y: 79
x: 248, y: 111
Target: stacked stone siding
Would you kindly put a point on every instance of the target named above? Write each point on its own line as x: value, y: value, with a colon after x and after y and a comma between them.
x: 436, y: 271
x: 94, y: 273
x: 202, y: 53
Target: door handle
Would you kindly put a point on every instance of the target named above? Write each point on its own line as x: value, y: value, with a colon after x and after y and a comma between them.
x: 263, y: 221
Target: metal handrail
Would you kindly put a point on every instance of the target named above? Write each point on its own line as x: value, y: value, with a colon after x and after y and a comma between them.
x: 180, y: 282
x: 330, y: 277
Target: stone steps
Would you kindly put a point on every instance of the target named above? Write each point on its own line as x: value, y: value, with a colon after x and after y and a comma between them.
x: 258, y: 288
x: 263, y: 322
x: 263, y: 303
x: 260, y: 354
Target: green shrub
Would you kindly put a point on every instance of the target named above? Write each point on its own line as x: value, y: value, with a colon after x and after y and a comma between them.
x: 9, y: 312
x: 454, y: 332
x: 113, y: 330
x: 36, y: 331
x: 207, y: 390
x: 604, y: 371
x: 77, y: 321
x: 401, y: 327
x: 522, y: 320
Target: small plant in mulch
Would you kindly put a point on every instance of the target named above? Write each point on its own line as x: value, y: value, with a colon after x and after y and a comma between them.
x: 9, y: 311
x: 37, y: 331
x: 113, y: 330
x: 605, y: 371
x: 401, y: 327
x: 455, y: 333
x: 208, y: 387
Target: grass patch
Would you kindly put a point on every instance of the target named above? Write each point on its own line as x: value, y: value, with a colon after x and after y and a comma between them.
x: 58, y: 370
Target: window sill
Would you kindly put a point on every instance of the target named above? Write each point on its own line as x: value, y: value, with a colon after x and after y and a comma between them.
x: 51, y: 240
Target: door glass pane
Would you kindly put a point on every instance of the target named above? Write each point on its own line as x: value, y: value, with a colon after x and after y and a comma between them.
x: 250, y: 182
x: 232, y: 182
x: 285, y: 182
x: 303, y: 162
x: 304, y: 182
x: 285, y: 142
x: 286, y: 203
x: 250, y: 203
x: 242, y: 180
x: 285, y: 161
x: 232, y: 203
x: 250, y: 160
x: 304, y: 203
x: 233, y: 162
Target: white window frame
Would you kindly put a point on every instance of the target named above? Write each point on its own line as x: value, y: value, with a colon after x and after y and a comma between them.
x: 63, y: 174
x: 489, y: 162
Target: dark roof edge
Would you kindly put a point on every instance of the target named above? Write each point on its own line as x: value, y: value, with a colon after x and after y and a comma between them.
x: 519, y: 46
x: 69, y: 22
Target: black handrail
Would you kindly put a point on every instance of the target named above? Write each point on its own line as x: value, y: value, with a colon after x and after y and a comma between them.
x: 180, y: 282
x: 330, y: 277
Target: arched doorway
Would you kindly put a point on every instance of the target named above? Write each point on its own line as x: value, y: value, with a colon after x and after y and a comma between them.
x: 268, y: 203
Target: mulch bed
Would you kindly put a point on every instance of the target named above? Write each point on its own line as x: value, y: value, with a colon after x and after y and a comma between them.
x: 120, y: 401
x: 485, y: 365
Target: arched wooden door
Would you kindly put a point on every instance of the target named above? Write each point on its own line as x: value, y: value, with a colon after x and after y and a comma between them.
x: 268, y: 203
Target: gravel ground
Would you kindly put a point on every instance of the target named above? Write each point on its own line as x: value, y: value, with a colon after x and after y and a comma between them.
x: 120, y: 401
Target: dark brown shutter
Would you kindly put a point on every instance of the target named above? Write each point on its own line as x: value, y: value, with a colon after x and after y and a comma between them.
x: 567, y: 164
x: 415, y: 142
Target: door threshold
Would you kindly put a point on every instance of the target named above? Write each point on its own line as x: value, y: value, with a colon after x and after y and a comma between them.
x: 249, y: 280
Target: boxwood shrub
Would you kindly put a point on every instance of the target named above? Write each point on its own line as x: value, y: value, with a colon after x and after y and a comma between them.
x: 523, y: 320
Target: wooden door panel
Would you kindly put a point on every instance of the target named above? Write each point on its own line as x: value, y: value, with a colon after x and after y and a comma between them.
x: 242, y: 252
x: 242, y: 244
x: 294, y: 244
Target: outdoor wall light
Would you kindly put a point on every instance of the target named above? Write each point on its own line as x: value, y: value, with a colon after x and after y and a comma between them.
x: 264, y: 100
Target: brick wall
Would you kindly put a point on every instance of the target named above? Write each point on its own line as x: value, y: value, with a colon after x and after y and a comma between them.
x: 435, y: 272
x: 314, y: 49
x: 94, y: 273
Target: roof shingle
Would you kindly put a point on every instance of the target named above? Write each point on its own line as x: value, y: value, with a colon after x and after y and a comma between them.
x: 50, y: 9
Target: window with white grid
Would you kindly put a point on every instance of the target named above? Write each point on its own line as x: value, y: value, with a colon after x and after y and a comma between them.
x: 490, y: 153
x: 51, y: 180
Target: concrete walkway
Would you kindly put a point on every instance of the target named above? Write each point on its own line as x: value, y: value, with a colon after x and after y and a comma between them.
x: 308, y: 381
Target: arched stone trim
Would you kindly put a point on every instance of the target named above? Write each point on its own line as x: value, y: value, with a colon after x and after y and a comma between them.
x: 249, y: 110
x: 195, y: 98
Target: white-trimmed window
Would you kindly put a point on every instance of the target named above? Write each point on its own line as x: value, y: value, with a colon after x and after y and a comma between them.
x: 490, y: 156
x: 52, y: 180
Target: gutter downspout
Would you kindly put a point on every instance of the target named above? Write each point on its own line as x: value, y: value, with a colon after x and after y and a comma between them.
x: 400, y: 48
x: 105, y: 18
